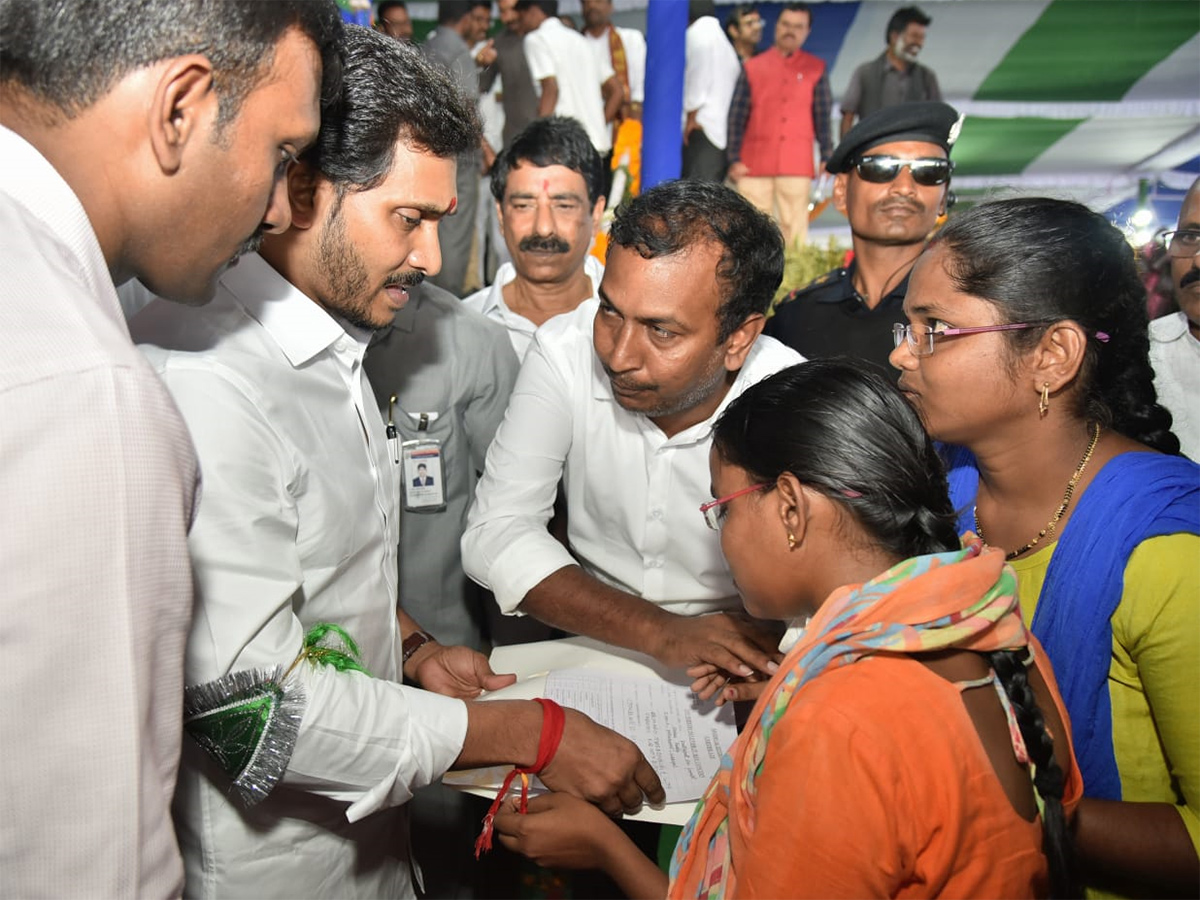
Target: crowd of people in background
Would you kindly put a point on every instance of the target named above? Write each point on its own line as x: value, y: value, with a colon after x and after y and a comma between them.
x: 334, y: 360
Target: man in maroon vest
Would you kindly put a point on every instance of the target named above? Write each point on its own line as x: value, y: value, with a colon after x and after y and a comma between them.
x: 780, y: 106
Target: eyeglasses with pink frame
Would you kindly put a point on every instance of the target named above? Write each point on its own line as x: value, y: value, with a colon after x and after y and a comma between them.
x: 712, y: 509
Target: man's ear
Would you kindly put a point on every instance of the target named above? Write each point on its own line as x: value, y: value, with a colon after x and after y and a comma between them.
x: 302, y: 182
x: 737, y: 347
x: 598, y: 213
x: 840, y: 182
x: 183, y: 108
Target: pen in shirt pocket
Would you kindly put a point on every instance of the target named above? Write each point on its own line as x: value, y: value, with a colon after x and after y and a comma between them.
x: 393, y: 436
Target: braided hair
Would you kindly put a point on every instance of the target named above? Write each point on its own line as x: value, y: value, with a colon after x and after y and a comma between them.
x: 845, y: 431
x: 1042, y: 260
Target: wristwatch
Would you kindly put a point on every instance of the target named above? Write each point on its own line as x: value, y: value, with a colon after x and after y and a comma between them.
x: 413, y: 643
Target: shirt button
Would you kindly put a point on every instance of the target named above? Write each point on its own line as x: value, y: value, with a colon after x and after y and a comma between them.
x: 657, y: 513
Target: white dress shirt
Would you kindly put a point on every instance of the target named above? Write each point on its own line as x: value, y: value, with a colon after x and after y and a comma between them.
x: 1175, y: 356
x: 555, y: 51
x: 709, y: 78
x: 633, y: 495
x: 490, y: 302
x: 97, y: 483
x: 298, y: 525
x: 634, y: 43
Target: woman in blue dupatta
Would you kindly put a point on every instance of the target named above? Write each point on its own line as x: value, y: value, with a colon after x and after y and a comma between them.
x: 1026, y: 351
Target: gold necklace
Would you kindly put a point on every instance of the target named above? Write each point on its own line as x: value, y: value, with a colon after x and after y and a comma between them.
x: 1062, y: 507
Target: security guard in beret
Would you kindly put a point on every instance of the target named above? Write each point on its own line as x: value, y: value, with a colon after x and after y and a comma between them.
x: 892, y: 182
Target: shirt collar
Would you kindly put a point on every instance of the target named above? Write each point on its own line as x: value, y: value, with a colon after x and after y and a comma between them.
x: 298, y: 324
x: 30, y: 179
x: 494, y: 300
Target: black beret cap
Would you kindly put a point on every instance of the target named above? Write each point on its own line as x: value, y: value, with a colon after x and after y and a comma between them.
x: 931, y: 121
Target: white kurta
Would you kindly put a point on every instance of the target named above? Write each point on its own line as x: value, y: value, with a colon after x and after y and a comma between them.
x: 555, y: 51
x: 490, y: 302
x: 1175, y: 355
x: 97, y: 482
x: 633, y: 495
x: 298, y: 525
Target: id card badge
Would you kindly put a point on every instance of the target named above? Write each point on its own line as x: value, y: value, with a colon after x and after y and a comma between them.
x: 424, y: 484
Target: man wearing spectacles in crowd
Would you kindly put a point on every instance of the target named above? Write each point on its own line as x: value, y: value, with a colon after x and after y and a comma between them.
x: 893, y: 182
x: 1175, y: 339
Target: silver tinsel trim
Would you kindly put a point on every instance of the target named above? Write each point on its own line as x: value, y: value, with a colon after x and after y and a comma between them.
x: 270, y: 750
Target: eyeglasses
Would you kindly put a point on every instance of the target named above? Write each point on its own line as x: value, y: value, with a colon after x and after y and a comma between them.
x: 712, y: 509
x: 921, y: 342
x: 1182, y: 243
x: 927, y: 171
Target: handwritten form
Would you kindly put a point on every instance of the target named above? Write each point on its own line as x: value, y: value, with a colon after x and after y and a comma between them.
x: 682, y: 737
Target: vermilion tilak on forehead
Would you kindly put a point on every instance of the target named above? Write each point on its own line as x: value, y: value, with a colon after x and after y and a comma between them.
x: 545, y: 185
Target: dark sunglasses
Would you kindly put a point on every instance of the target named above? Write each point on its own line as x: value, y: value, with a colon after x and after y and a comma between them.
x: 882, y: 169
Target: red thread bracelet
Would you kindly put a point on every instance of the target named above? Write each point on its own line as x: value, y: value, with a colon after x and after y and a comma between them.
x: 553, y: 722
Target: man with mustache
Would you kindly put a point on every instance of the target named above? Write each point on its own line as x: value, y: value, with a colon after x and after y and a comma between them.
x: 1175, y: 339
x: 893, y: 182
x: 297, y: 533
x: 617, y: 399
x: 895, y: 76
x: 549, y: 189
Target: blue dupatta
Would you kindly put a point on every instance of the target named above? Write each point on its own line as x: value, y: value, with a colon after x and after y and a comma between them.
x: 1135, y: 496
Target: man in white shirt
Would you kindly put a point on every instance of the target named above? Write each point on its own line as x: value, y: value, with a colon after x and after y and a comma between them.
x: 119, y: 121
x: 624, y: 50
x: 709, y: 77
x: 1175, y: 339
x: 569, y: 78
x: 298, y: 527
x: 548, y: 185
x: 617, y: 399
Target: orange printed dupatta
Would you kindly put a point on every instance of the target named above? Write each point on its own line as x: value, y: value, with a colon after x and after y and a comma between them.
x: 965, y: 599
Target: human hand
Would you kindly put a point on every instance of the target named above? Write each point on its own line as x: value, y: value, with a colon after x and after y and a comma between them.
x: 737, y: 171
x: 711, y: 681
x: 487, y: 55
x: 725, y: 641
x: 455, y: 671
x: 601, y: 766
x: 558, y: 830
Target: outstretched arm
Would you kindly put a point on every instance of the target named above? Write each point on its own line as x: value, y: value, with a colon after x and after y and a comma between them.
x: 563, y: 832
x: 575, y: 601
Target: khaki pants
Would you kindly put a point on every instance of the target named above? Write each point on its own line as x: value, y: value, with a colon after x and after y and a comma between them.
x: 785, y: 197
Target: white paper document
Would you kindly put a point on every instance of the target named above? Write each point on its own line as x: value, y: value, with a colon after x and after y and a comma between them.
x: 682, y: 737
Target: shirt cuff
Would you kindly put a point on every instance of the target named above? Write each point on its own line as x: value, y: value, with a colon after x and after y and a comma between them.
x: 524, y: 564
x: 436, y: 728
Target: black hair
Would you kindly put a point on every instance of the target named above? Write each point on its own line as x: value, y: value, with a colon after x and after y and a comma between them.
x: 844, y: 430
x: 902, y: 18
x: 698, y: 9
x: 451, y: 12
x: 739, y: 12
x: 1049, y: 780
x: 384, y: 5
x: 552, y: 141
x: 69, y: 54
x: 676, y: 215
x: 549, y: 7
x: 1042, y: 260
x: 390, y: 92
x: 798, y: 7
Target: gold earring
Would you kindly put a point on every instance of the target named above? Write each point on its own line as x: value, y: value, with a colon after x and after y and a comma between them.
x: 791, y: 541
x: 1044, y: 403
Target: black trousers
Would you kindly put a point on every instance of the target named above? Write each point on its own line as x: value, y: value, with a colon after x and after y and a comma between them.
x: 702, y: 159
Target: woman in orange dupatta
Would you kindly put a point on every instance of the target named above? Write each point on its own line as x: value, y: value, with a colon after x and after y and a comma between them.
x: 912, y: 743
